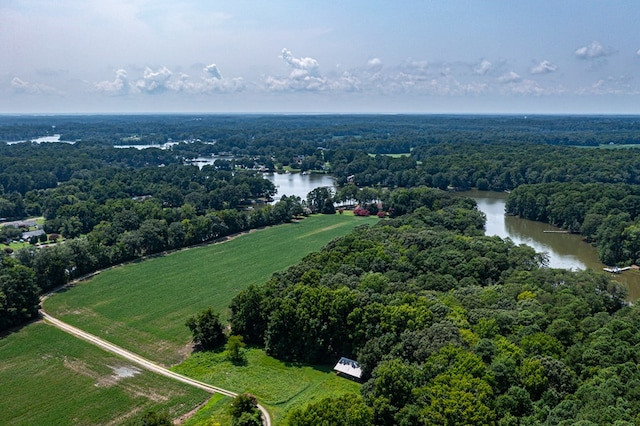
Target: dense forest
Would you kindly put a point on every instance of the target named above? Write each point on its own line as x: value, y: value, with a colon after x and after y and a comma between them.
x: 449, y: 326
x: 606, y: 214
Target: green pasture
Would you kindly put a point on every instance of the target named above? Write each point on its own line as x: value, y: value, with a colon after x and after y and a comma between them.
x: 143, y: 306
x: 279, y: 386
x: 48, y: 377
x: 215, y: 411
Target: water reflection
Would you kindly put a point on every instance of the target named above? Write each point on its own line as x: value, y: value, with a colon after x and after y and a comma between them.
x: 567, y: 251
x: 298, y: 184
x: 560, y: 248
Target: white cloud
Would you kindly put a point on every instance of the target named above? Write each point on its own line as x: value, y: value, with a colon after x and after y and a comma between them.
x: 301, y: 66
x: 601, y: 87
x: 212, y: 71
x: 543, y: 67
x: 592, y: 51
x: 21, y: 86
x: 164, y: 80
x: 527, y: 87
x: 510, y: 77
x: 220, y: 85
x: 305, y: 75
x: 483, y: 67
x: 612, y: 85
x: 182, y: 84
x: 210, y: 82
x: 154, y: 81
x: 374, y: 64
x: 119, y: 86
x: 638, y: 52
x: 347, y: 82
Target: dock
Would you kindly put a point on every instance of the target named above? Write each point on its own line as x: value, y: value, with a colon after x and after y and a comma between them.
x: 616, y: 270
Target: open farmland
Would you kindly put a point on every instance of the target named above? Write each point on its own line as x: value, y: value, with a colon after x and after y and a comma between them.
x: 279, y: 386
x: 49, y: 377
x: 143, y: 306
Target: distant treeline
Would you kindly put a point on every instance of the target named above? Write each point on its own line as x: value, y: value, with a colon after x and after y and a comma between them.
x: 490, y: 166
x: 380, y: 134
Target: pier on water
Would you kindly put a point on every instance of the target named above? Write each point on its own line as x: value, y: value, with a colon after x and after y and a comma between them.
x: 616, y: 270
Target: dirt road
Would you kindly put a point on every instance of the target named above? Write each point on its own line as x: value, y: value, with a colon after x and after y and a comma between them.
x: 143, y: 362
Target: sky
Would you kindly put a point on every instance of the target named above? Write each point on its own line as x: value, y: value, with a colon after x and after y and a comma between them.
x: 347, y: 56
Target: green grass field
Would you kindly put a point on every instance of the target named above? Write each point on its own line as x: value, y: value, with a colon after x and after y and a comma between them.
x: 143, y: 306
x: 279, y: 386
x: 48, y: 377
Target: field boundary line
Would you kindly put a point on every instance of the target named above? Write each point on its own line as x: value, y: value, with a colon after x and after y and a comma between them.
x: 143, y: 362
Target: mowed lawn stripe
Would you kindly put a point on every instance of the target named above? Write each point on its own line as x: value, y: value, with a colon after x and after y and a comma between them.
x: 143, y: 306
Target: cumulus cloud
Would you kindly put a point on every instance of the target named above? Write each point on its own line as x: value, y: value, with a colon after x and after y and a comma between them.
x: 220, y: 85
x: 374, y: 64
x: 638, y: 52
x: 483, y: 67
x: 347, y: 82
x: 544, y: 67
x: 301, y: 66
x: 510, y: 77
x: 593, y: 51
x: 119, y: 86
x: 154, y: 81
x: 182, y: 84
x: 164, y: 80
x: 22, y: 86
x: 527, y: 87
x: 416, y: 65
x: 602, y: 87
x: 213, y: 71
x: 305, y: 75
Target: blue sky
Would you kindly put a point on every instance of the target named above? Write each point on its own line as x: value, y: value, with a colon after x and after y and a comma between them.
x: 511, y: 56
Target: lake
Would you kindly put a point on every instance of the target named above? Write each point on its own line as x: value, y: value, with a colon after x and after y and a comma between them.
x: 298, y: 184
x: 567, y: 251
x: 43, y: 139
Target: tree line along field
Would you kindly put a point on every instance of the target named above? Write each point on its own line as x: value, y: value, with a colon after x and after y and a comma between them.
x: 51, y: 378
x: 143, y: 307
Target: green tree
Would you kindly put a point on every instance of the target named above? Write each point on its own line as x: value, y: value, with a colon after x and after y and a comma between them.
x: 206, y: 328
x: 532, y: 376
x: 320, y: 199
x: 19, y: 300
x: 244, y: 411
x: 234, y: 349
x: 456, y: 399
x: 345, y: 410
x: 151, y: 418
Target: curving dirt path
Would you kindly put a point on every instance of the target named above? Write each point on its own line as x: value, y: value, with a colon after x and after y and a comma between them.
x: 143, y: 362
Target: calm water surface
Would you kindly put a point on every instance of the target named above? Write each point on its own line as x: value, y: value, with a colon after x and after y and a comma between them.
x: 298, y: 184
x: 566, y: 251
